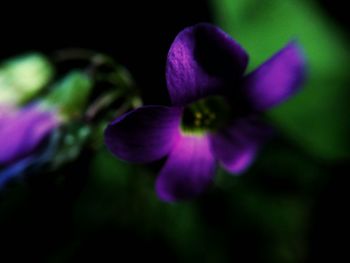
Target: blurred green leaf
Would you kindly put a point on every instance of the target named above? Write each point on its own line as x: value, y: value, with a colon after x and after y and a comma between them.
x: 70, y: 95
x: 120, y: 194
x: 70, y: 140
x: 279, y: 219
x: 316, y: 118
x: 274, y: 199
x: 23, y: 77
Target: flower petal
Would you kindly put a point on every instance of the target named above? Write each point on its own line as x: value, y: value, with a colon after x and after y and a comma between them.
x: 145, y: 134
x: 6, y: 112
x: 202, y: 61
x: 23, y: 131
x: 188, y: 170
x: 28, y: 165
x: 14, y: 171
x: 277, y: 79
x: 237, y: 145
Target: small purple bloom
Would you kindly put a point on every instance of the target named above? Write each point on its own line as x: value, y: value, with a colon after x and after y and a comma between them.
x: 22, y: 131
x: 214, y: 112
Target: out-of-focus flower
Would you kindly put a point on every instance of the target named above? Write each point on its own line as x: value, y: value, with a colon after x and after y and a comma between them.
x: 22, y: 77
x: 22, y: 131
x: 45, y: 124
x: 25, y: 132
x: 214, y: 112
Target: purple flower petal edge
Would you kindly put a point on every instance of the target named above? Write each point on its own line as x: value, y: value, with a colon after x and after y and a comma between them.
x: 202, y: 61
x: 188, y: 171
x: 277, y: 79
x: 237, y: 145
x: 145, y: 134
x: 21, y: 132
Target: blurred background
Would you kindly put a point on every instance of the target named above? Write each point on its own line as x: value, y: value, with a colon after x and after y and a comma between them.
x: 289, y: 207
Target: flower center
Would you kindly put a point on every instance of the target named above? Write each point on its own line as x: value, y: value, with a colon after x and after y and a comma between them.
x: 205, y: 115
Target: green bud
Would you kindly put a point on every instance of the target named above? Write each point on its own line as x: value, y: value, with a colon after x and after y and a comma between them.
x: 21, y: 78
x: 70, y: 143
x: 70, y: 95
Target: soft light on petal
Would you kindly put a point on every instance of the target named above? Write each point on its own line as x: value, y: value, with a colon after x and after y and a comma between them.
x: 145, y: 134
x: 22, y: 132
x: 188, y: 170
x: 6, y: 112
x: 23, y: 77
x: 277, y: 79
x: 202, y: 61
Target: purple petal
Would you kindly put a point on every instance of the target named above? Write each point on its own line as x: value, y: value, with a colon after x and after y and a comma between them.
x: 202, y: 61
x: 22, y: 131
x: 6, y: 112
x: 237, y: 145
x: 15, y: 170
x: 277, y: 79
x: 145, y: 134
x: 188, y: 170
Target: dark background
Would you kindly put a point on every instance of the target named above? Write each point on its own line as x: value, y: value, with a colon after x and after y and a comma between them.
x: 138, y: 36
x: 136, y: 33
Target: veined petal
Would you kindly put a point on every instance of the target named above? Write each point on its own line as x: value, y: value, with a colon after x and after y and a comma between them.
x: 145, y: 134
x: 22, y: 132
x: 202, y: 61
x: 237, y: 145
x: 188, y: 170
x: 277, y: 79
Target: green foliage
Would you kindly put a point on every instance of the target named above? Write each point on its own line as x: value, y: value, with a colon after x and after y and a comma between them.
x: 70, y: 140
x: 316, y: 118
x: 70, y: 95
x: 273, y: 202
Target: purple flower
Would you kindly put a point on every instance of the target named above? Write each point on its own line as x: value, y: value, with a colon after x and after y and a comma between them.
x: 214, y: 113
x: 23, y: 130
